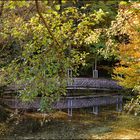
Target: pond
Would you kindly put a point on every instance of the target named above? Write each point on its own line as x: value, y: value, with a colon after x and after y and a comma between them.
x: 109, y: 124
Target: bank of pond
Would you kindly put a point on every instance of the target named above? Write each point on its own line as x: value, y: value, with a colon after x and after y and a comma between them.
x: 108, y: 124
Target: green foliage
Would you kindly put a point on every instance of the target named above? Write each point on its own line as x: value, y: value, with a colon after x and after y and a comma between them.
x: 40, y: 65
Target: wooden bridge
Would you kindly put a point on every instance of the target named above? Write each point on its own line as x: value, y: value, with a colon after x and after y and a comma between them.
x: 78, y: 101
x: 79, y: 84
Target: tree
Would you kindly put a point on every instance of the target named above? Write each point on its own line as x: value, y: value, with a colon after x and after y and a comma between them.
x: 127, y: 72
x: 47, y: 42
x: 41, y: 40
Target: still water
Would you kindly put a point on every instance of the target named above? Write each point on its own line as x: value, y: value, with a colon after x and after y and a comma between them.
x: 109, y: 124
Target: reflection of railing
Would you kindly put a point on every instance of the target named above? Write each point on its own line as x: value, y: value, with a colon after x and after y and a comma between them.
x: 70, y: 103
x: 88, y: 101
x: 18, y: 104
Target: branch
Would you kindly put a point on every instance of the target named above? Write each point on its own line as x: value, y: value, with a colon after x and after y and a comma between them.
x: 45, y: 23
x: 1, y: 7
x: 60, y: 3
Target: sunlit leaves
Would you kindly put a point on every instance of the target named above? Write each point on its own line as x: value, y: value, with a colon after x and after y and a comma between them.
x: 13, y: 4
x: 128, y: 72
x: 57, y: 7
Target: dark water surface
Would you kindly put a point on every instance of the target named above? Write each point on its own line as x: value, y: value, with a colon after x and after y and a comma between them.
x: 82, y: 125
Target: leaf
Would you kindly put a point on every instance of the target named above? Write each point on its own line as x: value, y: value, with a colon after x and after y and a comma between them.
x: 57, y: 7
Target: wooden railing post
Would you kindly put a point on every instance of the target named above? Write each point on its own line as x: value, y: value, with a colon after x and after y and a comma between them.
x: 95, y: 71
x: 69, y: 75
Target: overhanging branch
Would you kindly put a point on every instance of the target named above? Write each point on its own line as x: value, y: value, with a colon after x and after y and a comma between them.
x: 45, y: 23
